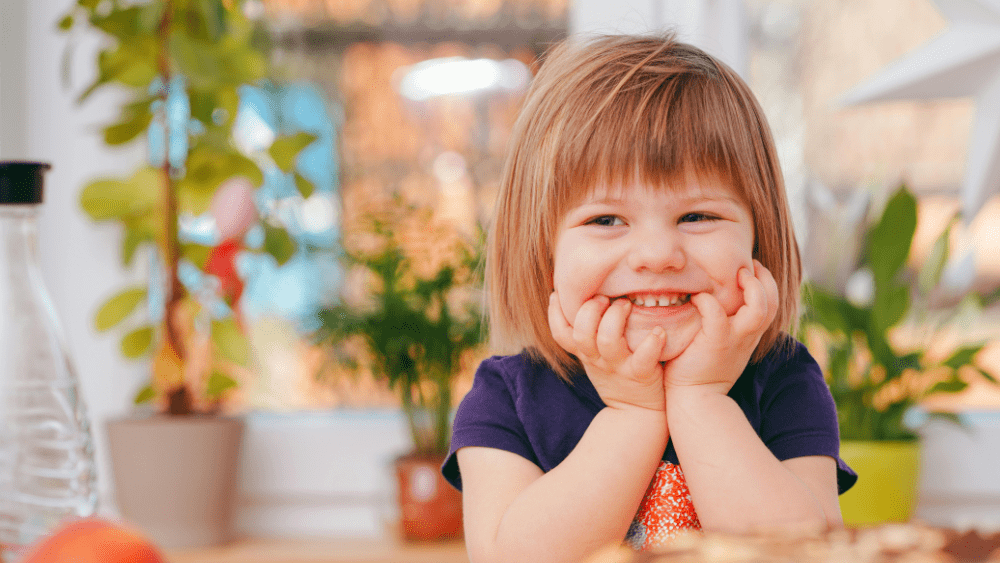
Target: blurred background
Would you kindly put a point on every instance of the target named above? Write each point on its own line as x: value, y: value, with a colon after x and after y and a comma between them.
x: 416, y: 99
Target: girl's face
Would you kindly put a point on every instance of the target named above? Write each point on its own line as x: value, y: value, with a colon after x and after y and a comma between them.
x: 656, y: 248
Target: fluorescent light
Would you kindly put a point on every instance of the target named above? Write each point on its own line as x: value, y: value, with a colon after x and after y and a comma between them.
x: 455, y: 76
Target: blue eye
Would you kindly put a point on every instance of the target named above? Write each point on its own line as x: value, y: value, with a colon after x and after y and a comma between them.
x: 606, y: 221
x: 696, y: 217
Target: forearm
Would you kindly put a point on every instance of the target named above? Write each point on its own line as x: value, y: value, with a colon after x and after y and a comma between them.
x: 736, y: 483
x: 590, y: 499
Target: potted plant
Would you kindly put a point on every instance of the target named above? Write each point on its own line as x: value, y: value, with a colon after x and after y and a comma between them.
x: 879, y: 344
x: 181, y: 65
x: 418, y: 319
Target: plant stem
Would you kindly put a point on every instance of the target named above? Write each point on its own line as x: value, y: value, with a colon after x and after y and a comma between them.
x: 170, y: 249
x: 410, y: 413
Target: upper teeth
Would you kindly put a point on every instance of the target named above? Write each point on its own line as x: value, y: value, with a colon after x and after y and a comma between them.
x: 660, y: 300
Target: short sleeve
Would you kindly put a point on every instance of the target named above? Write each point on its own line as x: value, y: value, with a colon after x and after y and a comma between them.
x: 487, y: 417
x: 798, y: 415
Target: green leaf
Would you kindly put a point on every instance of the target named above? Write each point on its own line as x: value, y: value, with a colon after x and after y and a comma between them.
x: 930, y: 274
x: 207, y: 168
x: 132, y: 63
x: 305, y: 187
x: 230, y: 341
x: 145, y: 395
x: 950, y: 386
x: 952, y: 417
x: 121, y: 133
x: 988, y: 376
x: 963, y: 356
x: 118, y: 308
x: 890, y: 306
x: 889, y: 240
x: 278, y: 243
x: 197, y: 254
x: 122, y: 24
x: 213, y: 14
x: 114, y: 199
x: 991, y: 298
x: 105, y: 199
x: 138, y: 342
x: 151, y: 16
x: 136, y: 117
x: 218, y: 383
x: 825, y: 309
x: 138, y: 230
x: 66, y: 22
x: 285, y: 149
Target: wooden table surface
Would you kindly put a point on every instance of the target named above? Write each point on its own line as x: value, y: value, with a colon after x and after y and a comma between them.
x: 323, y: 551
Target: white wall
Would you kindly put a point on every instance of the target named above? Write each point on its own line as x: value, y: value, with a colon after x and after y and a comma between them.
x: 13, y: 74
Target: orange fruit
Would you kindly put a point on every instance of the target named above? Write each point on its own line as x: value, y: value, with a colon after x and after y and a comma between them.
x: 94, y: 540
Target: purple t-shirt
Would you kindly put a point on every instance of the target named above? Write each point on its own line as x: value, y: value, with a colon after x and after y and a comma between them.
x: 523, y: 407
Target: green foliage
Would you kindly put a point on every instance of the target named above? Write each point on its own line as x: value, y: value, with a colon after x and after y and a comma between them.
x: 216, y: 49
x: 284, y: 151
x: 138, y: 342
x: 118, y: 308
x: 871, y: 380
x: 229, y: 340
x: 416, y: 328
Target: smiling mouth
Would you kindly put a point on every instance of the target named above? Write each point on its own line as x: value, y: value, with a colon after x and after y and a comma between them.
x: 674, y: 300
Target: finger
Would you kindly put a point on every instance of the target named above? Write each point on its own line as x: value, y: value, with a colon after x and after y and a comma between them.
x: 611, y: 332
x: 714, y: 321
x: 588, y: 318
x: 562, y: 331
x: 753, y: 314
x: 770, y: 289
x: 647, y: 355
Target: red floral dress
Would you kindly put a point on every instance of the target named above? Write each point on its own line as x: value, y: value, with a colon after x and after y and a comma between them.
x: 665, y: 511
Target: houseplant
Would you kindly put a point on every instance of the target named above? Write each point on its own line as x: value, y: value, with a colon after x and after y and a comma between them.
x: 418, y: 319
x: 879, y: 344
x: 180, y: 65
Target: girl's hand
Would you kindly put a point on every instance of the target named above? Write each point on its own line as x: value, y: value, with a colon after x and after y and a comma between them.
x: 597, y: 338
x: 722, y: 347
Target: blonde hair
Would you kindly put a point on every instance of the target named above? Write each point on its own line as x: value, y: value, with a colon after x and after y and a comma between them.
x: 612, y: 111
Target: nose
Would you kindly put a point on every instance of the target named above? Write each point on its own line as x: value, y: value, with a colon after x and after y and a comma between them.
x: 657, y: 252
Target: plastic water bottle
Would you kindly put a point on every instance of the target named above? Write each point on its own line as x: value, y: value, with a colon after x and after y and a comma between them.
x: 47, y: 472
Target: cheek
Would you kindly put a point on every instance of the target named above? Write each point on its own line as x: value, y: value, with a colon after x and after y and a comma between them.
x: 729, y: 293
x: 570, y: 290
x: 575, y: 280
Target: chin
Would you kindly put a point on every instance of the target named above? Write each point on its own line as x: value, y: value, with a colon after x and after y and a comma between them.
x: 678, y: 339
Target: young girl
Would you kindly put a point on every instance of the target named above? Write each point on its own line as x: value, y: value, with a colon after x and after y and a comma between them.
x: 643, y: 262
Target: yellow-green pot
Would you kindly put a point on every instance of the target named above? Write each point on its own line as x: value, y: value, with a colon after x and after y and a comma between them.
x: 888, y: 478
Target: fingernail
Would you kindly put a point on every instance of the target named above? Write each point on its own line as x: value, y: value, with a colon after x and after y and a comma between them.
x: 658, y: 331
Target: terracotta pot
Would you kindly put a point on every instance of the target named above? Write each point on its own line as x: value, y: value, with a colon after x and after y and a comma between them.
x: 430, y: 508
x: 888, y: 475
x: 175, y: 476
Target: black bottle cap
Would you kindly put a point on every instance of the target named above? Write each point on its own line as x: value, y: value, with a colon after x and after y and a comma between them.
x: 21, y: 181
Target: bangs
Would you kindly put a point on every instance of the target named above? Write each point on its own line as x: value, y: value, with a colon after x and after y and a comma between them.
x: 658, y: 127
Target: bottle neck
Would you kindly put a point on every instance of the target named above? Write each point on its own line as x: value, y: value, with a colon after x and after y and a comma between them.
x: 19, y: 234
